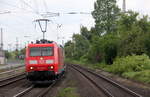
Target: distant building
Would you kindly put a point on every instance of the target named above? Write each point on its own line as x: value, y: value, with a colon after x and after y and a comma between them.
x: 2, y: 57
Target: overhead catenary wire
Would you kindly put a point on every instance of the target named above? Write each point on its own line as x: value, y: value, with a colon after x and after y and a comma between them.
x: 31, y: 9
x: 17, y: 7
x: 35, y: 11
x: 19, y: 22
x: 14, y: 6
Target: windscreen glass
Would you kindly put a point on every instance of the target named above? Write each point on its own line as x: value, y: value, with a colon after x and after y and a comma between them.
x: 41, y: 51
x: 47, y: 51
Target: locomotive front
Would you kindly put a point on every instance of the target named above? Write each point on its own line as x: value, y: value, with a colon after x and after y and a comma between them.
x: 42, y: 62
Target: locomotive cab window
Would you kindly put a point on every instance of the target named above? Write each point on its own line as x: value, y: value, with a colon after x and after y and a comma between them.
x: 47, y: 51
x: 35, y: 51
x: 41, y: 51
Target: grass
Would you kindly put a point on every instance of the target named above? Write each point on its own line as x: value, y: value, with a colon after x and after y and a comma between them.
x: 68, y: 92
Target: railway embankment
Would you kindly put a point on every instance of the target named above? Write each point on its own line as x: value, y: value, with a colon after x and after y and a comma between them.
x: 135, y: 67
x: 130, y: 65
x: 82, y: 83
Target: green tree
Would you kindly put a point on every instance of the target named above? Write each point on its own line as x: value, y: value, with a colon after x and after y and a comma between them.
x: 105, y: 14
x: 146, y: 43
x: 81, y: 46
x: 94, y: 54
x: 110, y: 48
x: 85, y: 33
x: 126, y: 22
x: 103, y: 48
x: 132, y: 31
x: 69, y: 49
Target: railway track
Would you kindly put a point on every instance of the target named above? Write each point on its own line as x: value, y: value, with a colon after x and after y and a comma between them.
x: 13, y: 84
x: 12, y: 79
x: 37, y: 91
x: 34, y: 91
x: 109, y: 87
x: 11, y: 71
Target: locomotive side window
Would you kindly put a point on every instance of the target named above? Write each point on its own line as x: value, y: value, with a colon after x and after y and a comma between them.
x: 35, y: 51
x: 41, y: 51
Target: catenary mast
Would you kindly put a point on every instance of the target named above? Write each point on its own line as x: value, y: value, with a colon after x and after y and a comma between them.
x: 124, y: 6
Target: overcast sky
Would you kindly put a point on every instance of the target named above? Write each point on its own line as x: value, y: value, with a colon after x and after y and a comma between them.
x: 20, y: 22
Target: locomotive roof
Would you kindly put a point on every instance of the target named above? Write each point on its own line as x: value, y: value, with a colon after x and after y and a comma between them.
x: 44, y: 43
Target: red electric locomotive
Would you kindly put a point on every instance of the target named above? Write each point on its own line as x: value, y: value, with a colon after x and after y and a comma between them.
x: 44, y: 61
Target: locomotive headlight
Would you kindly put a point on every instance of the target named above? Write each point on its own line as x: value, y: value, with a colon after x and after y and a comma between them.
x: 49, y: 61
x: 33, y: 62
x: 51, y: 67
x: 31, y: 68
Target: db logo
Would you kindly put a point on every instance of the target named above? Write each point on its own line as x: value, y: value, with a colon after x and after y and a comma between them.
x: 41, y: 61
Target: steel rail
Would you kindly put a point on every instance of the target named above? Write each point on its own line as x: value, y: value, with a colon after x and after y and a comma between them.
x: 46, y: 90
x: 94, y: 83
x: 11, y: 77
x: 11, y: 70
x: 111, y: 81
x: 24, y: 92
x: 41, y: 94
x: 11, y: 80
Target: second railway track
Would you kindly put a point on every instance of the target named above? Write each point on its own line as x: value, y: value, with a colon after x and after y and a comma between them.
x: 12, y: 79
x: 12, y: 85
x: 109, y: 87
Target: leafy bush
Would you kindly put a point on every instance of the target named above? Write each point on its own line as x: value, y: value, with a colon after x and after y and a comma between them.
x: 143, y: 76
x: 134, y: 63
